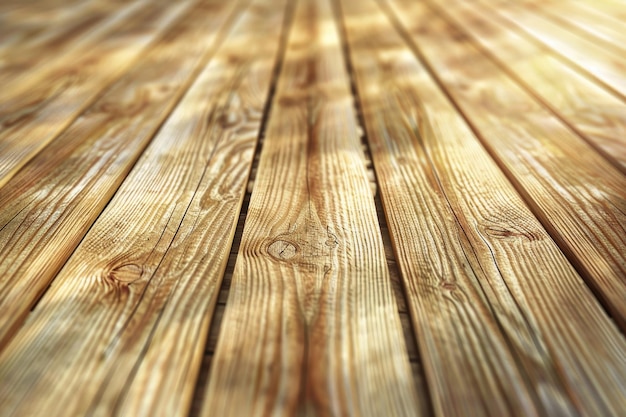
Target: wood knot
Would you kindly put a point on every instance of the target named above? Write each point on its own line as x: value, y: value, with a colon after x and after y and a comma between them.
x: 126, y: 274
x: 332, y: 241
x: 282, y: 250
x: 448, y: 285
x: 510, y: 225
x: 228, y: 119
x: 510, y: 232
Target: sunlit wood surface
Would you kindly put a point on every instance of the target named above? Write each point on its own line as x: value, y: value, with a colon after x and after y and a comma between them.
x: 312, y: 208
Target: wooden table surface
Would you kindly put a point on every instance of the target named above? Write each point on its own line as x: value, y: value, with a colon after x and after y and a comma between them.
x: 312, y: 208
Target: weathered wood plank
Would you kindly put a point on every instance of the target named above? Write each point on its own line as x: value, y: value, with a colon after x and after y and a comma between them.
x: 49, y: 205
x: 35, y: 109
x: 577, y: 195
x: 122, y: 329
x: 311, y: 326
x: 470, y: 251
x: 607, y: 67
x: 594, y: 113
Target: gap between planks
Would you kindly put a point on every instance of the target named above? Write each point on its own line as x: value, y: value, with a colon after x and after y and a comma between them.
x: 400, y: 296
x: 584, y: 210
x: 605, y: 67
x: 285, y: 309
x: 505, y: 222
x: 586, y: 107
x: 149, y: 307
x: 82, y: 168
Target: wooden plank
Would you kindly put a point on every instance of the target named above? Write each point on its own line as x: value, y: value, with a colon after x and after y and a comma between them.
x: 587, y: 21
x: 311, y: 326
x: 122, y: 329
x: 576, y: 193
x: 36, y: 109
x: 27, y: 24
x: 16, y: 13
x: 594, y: 113
x: 33, y: 50
x: 18, y: 61
x: 607, y: 67
x: 494, y: 339
x: 50, y: 204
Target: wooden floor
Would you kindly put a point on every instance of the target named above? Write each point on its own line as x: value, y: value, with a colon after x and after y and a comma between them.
x: 312, y: 208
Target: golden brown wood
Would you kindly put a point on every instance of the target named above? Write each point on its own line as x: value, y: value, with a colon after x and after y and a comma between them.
x: 584, y: 18
x: 481, y: 129
x: 21, y: 18
x: 22, y: 26
x: 607, y: 67
x: 471, y: 252
x: 577, y: 194
x: 29, y: 42
x: 311, y: 326
x: 122, y: 329
x: 49, y: 205
x: 597, y: 115
x: 35, y: 109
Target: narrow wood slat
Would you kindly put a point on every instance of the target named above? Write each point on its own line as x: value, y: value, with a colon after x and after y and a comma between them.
x: 25, y: 26
x: 17, y: 13
x: 577, y: 194
x: 505, y: 325
x: 36, y: 109
x: 47, y: 208
x: 311, y: 326
x: 586, y: 20
x: 27, y: 54
x: 393, y: 273
x: 122, y: 329
x: 597, y: 115
x: 608, y: 67
x: 394, y: 277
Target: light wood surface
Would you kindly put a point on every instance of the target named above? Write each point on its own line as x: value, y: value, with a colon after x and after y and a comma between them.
x: 312, y: 208
x: 311, y: 325
x: 577, y: 194
x: 463, y: 238
x: 28, y: 27
x: 126, y: 319
x: 35, y: 109
x: 606, y: 66
x: 587, y: 20
x: 49, y: 206
x: 596, y: 114
x: 42, y: 43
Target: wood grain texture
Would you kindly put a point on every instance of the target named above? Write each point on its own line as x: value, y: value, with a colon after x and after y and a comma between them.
x: 578, y: 196
x: 49, y: 205
x: 605, y: 66
x: 17, y: 16
x: 121, y: 330
x: 585, y: 19
x: 39, y: 107
x: 53, y: 37
x: 49, y: 37
x: 494, y: 338
x: 311, y: 326
x: 29, y: 26
x: 594, y: 113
